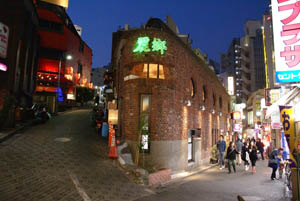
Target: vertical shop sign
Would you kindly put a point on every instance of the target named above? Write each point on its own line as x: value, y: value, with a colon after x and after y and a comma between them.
x: 287, y: 120
x: 4, y: 32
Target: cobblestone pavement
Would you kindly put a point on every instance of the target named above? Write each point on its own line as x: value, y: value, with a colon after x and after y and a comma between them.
x: 62, y: 160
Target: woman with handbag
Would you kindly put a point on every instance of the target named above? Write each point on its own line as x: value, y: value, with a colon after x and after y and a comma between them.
x: 253, y: 155
x: 273, y: 163
x: 245, y: 155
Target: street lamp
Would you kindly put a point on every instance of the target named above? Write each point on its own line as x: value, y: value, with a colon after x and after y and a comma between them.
x: 58, y: 90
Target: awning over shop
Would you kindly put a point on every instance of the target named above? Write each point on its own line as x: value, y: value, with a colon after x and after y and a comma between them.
x: 284, y: 100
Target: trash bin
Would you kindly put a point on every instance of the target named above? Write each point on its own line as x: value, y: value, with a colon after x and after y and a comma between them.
x: 105, y: 129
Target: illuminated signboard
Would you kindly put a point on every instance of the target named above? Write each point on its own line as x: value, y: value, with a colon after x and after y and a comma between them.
x: 230, y: 86
x: 143, y: 45
x: 63, y: 3
x: 286, y: 28
x: 60, y: 96
x: 236, y: 115
x: 4, y: 32
x: 237, y: 128
x: 3, y: 67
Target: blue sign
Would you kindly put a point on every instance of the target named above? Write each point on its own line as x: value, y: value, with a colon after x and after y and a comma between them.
x: 288, y: 76
x: 60, y: 96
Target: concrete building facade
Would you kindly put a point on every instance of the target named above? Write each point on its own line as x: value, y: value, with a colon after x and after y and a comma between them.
x: 163, y: 86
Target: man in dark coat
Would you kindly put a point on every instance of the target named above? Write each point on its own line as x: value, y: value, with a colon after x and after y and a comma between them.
x: 221, y: 145
x: 260, y: 146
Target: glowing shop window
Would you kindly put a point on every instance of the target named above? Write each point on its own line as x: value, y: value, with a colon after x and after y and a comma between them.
x: 153, y: 70
x: 161, y: 74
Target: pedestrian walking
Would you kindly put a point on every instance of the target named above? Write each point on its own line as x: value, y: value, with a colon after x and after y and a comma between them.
x: 239, y: 146
x: 253, y: 155
x: 221, y: 145
x: 280, y: 162
x: 245, y: 155
x: 273, y: 163
x: 231, y: 156
x: 260, y: 146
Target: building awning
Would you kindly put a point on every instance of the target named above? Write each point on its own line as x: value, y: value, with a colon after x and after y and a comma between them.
x: 284, y: 100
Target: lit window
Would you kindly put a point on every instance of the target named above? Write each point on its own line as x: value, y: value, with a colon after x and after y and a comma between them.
x: 236, y: 62
x: 153, y: 70
x: 237, y: 72
x: 161, y: 74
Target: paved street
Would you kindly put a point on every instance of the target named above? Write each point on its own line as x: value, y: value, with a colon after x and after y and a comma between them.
x: 62, y: 160
x: 218, y: 185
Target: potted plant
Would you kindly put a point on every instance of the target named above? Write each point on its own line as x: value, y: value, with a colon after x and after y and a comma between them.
x: 214, y: 155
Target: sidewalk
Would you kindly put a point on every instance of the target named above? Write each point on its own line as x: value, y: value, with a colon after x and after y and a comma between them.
x: 9, y: 132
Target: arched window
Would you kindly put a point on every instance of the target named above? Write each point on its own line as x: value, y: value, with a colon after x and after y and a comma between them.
x: 204, y: 93
x: 220, y: 102
x: 192, y: 88
x: 214, y: 99
x: 228, y: 108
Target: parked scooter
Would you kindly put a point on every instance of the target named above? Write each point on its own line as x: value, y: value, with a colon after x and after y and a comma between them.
x: 97, y: 119
x: 40, y: 113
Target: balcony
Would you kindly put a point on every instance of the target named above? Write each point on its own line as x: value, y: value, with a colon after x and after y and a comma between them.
x: 245, y: 69
x: 245, y: 59
x: 245, y: 79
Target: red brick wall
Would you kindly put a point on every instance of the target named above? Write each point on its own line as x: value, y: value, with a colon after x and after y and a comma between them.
x: 170, y: 117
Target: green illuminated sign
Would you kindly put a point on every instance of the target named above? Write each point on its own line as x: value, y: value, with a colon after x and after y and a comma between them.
x: 159, y: 45
x: 142, y: 45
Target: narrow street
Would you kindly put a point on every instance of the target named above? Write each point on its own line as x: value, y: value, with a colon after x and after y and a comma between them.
x: 65, y: 160
x: 218, y: 185
x: 62, y: 160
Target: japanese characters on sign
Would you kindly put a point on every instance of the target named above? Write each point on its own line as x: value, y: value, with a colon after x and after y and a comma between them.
x: 287, y: 120
x: 286, y: 28
x: 4, y: 31
x: 143, y: 44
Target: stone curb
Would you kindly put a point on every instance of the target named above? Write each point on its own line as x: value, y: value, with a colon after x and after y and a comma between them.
x: 6, y: 135
x: 184, y: 174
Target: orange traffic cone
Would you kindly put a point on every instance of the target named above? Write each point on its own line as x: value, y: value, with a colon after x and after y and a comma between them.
x: 110, y: 130
x: 113, y: 148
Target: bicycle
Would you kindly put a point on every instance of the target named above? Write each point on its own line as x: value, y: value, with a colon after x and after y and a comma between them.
x: 288, y: 175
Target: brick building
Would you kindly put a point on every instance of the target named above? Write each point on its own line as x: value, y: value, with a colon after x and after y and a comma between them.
x: 58, y: 40
x: 159, y: 80
x: 18, y: 53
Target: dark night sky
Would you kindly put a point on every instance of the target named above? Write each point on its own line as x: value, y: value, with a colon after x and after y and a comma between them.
x: 211, y: 23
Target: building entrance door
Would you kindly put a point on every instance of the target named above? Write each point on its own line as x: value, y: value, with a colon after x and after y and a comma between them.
x: 190, y: 145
